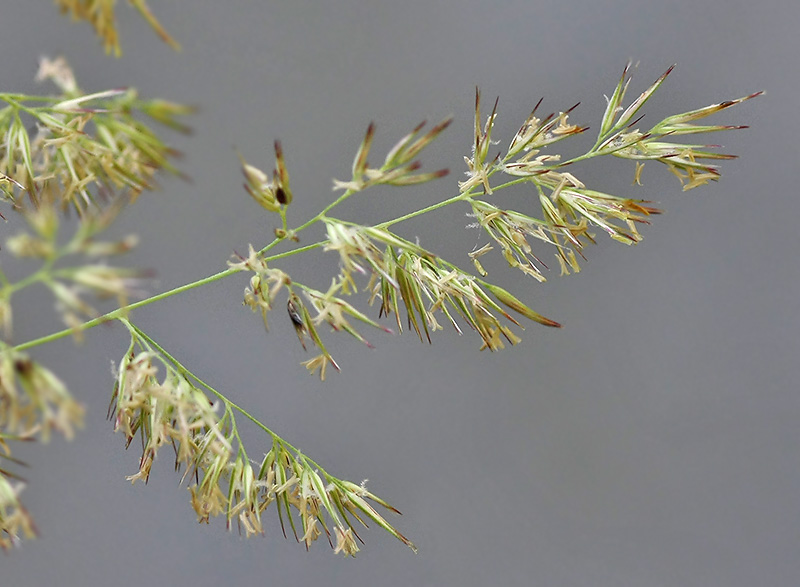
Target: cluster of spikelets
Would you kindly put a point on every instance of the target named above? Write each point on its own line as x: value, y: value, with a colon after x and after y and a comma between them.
x: 401, y: 274
x: 174, y: 411
x: 398, y: 272
x: 100, y: 14
x: 568, y: 208
x: 404, y: 275
x: 33, y: 403
x: 87, y: 147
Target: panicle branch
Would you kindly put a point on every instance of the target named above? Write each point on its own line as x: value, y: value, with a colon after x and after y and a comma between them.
x: 568, y: 208
x: 404, y: 274
x: 175, y: 410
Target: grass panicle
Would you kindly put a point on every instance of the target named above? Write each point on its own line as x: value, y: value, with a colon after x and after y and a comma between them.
x: 91, y: 154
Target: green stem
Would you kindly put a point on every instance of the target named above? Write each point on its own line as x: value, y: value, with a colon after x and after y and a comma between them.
x: 42, y: 274
x: 17, y: 105
x: 430, y: 208
x: 302, y: 227
x: 327, y: 209
x: 39, y: 275
x: 12, y: 98
x: 296, y: 251
x: 121, y: 312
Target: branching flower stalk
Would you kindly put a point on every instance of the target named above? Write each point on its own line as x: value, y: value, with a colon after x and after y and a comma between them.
x: 163, y: 403
x: 33, y: 403
x: 205, y: 437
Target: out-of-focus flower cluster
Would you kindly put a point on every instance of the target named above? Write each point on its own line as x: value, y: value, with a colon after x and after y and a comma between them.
x: 33, y: 403
x: 90, y: 154
x: 87, y: 154
x: 74, y: 270
x: 173, y: 410
x: 15, y: 521
x: 100, y: 14
x: 79, y: 150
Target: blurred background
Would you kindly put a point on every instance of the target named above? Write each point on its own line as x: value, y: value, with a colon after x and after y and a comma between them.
x: 651, y: 442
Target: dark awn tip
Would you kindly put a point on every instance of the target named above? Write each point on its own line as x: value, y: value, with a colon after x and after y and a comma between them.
x: 419, y: 127
x: 635, y: 122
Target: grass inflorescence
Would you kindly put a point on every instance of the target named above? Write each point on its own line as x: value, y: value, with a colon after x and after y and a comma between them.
x: 91, y: 155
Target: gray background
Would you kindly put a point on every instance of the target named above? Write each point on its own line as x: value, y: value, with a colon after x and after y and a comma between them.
x: 650, y: 442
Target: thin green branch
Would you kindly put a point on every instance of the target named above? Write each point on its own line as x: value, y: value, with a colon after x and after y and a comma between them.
x: 431, y: 208
x: 122, y: 311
